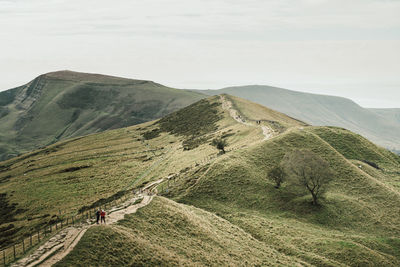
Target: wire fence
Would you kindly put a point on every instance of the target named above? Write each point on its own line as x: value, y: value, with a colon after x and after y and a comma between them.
x: 19, y: 249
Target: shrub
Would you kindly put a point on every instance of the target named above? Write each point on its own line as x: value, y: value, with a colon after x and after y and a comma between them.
x: 277, y: 175
x: 220, y: 144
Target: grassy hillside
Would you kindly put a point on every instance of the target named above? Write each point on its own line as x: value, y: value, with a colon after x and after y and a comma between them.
x: 79, y: 172
x: 357, y: 224
x: 378, y: 126
x: 66, y: 104
x: 221, y: 209
x: 199, y: 238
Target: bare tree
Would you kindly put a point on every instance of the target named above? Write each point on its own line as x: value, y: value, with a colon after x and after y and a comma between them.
x: 220, y: 144
x: 277, y: 175
x: 307, y: 171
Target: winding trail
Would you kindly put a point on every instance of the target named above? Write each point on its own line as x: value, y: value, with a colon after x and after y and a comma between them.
x: 60, y: 245
x: 227, y: 105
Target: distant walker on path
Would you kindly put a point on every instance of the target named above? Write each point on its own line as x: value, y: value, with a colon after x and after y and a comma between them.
x: 98, y: 216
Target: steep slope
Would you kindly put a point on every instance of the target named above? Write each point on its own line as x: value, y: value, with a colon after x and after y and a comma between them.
x: 222, y: 209
x: 66, y: 104
x: 322, y: 110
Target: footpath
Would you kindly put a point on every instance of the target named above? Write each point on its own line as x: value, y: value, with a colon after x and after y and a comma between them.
x: 57, y: 247
x: 227, y: 105
x: 60, y: 245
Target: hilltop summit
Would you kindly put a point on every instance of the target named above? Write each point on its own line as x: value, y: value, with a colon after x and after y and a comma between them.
x: 90, y: 77
x: 65, y: 104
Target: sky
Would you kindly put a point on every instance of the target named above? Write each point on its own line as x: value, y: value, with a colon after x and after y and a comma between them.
x: 335, y: 47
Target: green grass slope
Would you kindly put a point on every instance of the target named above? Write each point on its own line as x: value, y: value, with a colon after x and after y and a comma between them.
x: 170, y: 234
x: 322, y: 110
x: 221, y: 209
x: 66, y: 104
x: 357, y: 224
x: 79, y: 172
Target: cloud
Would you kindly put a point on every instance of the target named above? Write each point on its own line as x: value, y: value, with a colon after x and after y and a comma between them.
x: 282, y: 20
x: 204, y: 43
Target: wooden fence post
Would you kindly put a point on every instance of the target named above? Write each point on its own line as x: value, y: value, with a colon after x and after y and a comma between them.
x: 4, y: 257
x: 14, y: 251
x: 30, y: 240
x: 23, y: 245
x: 38, y: 236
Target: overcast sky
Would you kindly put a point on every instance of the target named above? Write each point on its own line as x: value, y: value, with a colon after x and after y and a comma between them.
x: 349, y: 48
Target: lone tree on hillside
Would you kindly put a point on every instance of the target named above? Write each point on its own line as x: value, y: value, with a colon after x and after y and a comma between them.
x: 220, y: 144
x: 308, y: 172
x: 277, y: 175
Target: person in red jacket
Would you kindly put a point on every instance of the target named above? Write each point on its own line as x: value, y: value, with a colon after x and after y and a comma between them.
x: 103, y: 216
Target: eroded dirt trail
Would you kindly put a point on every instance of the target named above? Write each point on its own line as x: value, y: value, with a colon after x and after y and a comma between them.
x: 60, y: 245
x: 227, y: 105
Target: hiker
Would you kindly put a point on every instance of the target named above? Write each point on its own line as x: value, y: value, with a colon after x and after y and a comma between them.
x: 103, y: 216
x: 97, y: 216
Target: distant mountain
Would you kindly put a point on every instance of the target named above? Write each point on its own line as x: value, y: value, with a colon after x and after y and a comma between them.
x: 388, y: 113
x: 381, y: 126
x: 67, y: 104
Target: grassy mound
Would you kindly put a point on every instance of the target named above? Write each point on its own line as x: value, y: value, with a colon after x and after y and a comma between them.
x: 171, y: 234
x: 357, y: 223
x: 353, y: 146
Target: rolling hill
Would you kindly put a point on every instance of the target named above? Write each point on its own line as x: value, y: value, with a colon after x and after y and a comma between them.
x: 220, y: 209
x: 66, y: 104
x: 381, y: 126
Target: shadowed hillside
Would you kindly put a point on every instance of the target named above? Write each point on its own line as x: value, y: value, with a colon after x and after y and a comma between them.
x: 221, y: 209
x: 66, y: 104
x: 381, y: 126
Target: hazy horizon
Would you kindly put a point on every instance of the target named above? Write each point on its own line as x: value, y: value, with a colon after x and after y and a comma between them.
x: 343, y: 48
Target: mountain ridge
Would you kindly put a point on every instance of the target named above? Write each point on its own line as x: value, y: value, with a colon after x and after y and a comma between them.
x: 73, y: 96
x: 323, y: 110
x: 65, y: 104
